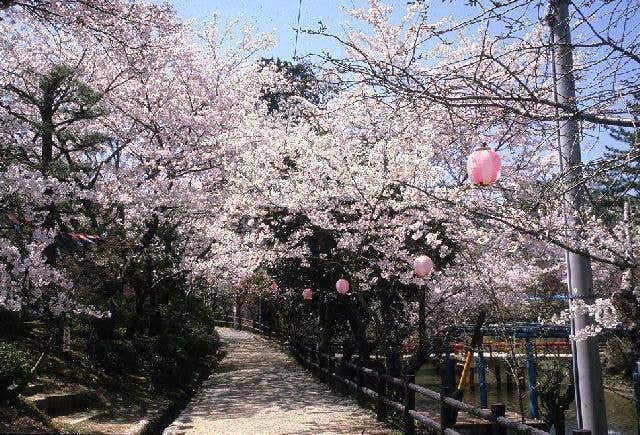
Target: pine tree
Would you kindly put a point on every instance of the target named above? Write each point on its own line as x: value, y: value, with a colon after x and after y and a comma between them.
x: 618, y: 179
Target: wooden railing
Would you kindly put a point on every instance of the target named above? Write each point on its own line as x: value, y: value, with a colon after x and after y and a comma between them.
x: 389, y: 394
x: 246, y: 324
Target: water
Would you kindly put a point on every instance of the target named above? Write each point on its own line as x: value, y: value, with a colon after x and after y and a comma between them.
x: 621, y: 413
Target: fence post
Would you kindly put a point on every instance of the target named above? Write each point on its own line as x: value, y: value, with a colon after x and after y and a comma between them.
x: 497, y: 373
x: 360, y: 383
x: 236, y: 321
x: 381, y: 388
x: 338, y: 368
x: 531, y: 379
x: 482, y: 377
x: 319, y: 361
x: 635, y: 377
x: 409, y: 404
x: 331, y: 366
x: 446, y: 389
x: 497, y: 410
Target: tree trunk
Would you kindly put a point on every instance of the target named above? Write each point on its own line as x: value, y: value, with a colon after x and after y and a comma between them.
x: 46, y: 137
x: 358, y: 328
x: 155, y: 319
x: 238, y: 311
x: 422, y: 318
x: 394, y: 366
x: 46, y: 132
x: 327, y: 322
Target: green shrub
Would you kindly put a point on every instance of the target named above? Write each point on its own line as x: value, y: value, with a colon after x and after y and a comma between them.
x: 173, y: 359
x: 116, y: 356
x: 192, y: 320
x: 617, y: 357
x: 14, y: 366
x: 168, y: 362
x: 188, y: 316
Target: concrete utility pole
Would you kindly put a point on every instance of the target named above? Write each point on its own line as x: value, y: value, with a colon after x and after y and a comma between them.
x: 587, y: 369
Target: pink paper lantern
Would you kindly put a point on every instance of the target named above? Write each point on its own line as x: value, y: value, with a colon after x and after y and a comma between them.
x: 342, y: 286
x: 423, y: 266
x: 483, y: 166
x: 307, y: 294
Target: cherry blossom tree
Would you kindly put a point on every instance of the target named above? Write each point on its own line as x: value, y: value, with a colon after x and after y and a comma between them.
x: 382, y: 160
x: 495, y: 84
x: 130, y: 141
x: 201, y: 166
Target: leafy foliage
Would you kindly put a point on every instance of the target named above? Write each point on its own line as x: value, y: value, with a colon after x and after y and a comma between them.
x: 14, y: 366
x: 172, y: 360
x: 116, y: 356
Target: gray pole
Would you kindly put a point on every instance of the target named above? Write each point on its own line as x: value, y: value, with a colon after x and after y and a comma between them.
x: 588, y: 372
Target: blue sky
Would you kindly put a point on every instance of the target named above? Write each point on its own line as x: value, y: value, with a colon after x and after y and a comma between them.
x: 279, y: 17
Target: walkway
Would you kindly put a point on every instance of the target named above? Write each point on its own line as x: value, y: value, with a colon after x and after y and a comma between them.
x: 260, y: 389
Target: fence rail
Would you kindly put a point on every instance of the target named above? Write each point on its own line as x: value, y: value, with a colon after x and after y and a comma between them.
x: 388, y: 393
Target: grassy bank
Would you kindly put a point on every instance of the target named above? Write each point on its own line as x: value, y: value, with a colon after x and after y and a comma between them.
x: 107, y: 385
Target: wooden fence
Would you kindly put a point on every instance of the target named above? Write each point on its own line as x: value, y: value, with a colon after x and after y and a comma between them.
x: 390, y: 394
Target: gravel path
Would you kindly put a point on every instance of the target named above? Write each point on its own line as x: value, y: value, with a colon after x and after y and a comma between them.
x: 259, y: 389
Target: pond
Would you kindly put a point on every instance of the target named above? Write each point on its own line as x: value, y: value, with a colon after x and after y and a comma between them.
x: 621, y: 413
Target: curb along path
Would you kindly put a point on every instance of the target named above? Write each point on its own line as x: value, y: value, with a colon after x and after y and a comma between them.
x: 259, y: 389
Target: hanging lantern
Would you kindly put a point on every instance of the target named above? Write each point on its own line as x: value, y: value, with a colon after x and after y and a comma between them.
x: 423, y: 266
x: 342, y: 286
x: 483, y: 166
x: 307, y: 294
